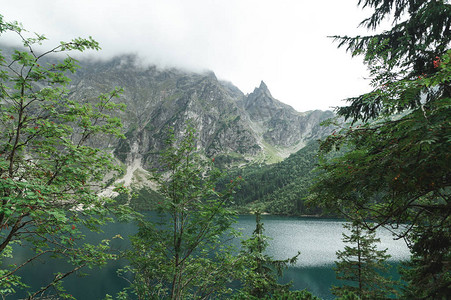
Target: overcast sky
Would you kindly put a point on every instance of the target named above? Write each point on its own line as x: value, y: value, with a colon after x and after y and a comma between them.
x: 282, y: 42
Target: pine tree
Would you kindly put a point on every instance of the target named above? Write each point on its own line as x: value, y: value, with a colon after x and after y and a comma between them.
x: 419, y: 38
x: 263, y: 271
x: 396, y: 170
x: 428, y: 273
x: 361, y: 265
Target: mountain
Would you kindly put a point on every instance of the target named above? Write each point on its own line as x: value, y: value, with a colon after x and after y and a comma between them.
x: 280, y: 125
x: 234, y: 128
x: 238, y: 130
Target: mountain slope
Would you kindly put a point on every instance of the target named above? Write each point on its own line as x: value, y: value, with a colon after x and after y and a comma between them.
x: 235, y: 128
x: 278, y: 188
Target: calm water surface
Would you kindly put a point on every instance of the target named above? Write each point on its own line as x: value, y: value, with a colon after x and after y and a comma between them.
x: 317, y: 239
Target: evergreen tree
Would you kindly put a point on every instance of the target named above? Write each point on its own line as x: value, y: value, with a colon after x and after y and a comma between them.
x: 279, y: 188
x: 397, y: 168
x: 428, y: 272
x: 361, y: 265
x: 262, y: 270
x: 180, y: 253
x: 50, y: 177
x: 420, y: 36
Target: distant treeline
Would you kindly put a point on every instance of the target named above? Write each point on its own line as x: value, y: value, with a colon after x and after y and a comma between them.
x: 278, y: 188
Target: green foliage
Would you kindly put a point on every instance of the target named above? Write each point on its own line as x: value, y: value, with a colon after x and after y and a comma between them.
x: 262, y: 271
x: 428, y: 273
x: 49, y: 176
x: 397, y: 168
x: 348, y: 295
x: 403, y: 53
x: 361, y: 266
x: 142, y: 199
x: 281, y: 295
x: 421, y: 32
x: 279, y: 188
x: 181, y: 254
x: 9, y: 281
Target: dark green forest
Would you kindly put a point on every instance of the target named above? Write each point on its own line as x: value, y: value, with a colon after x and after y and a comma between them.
x: 278, y: 188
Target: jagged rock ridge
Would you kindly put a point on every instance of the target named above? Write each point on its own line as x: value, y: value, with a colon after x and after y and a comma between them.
x: 233, y: 127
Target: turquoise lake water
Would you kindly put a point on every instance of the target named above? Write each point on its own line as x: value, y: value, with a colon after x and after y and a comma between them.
x: 317, y: 239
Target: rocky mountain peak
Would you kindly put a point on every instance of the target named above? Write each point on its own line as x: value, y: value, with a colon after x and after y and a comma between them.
x: 280, y: 124
x: 262, y: 93
x: 234, y: 128
x: 262, y: 106
x: 264, y: 88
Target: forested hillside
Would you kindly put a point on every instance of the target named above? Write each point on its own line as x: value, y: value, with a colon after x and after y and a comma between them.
x: 279, y: 188
x: 276, y: 189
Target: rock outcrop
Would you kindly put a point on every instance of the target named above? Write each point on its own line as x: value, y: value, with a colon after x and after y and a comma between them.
x: 235, y: 128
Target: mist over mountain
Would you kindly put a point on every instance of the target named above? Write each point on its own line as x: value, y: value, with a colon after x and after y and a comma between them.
x: 233, y: 127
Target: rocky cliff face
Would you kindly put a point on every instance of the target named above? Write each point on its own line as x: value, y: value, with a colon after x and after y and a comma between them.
x: 233, y: 127
x: 280, y: 125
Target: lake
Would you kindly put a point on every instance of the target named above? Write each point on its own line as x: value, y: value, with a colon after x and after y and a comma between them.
x: 317, y: 239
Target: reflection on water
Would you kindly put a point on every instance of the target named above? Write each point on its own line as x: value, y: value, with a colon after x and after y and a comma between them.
x: 317, y: 239
x: 316, y: 280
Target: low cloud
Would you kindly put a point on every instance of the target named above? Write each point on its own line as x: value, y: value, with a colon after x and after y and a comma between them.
x: 282, y: 42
